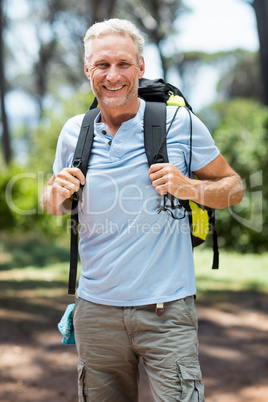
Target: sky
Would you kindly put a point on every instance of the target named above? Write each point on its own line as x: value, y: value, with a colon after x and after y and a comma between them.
x: 212, y: 26
x: 218, y: 25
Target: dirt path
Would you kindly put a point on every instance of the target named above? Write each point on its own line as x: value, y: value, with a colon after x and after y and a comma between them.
x: 36, y: 367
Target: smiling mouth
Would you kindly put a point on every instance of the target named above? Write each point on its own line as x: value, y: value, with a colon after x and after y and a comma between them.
x: 113, y: 89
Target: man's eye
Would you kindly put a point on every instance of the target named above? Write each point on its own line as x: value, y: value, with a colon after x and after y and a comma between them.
x: 102, y: 65
x: 124, y: 64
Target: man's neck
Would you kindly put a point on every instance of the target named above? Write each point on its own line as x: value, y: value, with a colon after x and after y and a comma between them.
x: 114, y: 117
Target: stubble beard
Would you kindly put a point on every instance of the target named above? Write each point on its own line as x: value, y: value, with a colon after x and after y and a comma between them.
x: 115, y: 103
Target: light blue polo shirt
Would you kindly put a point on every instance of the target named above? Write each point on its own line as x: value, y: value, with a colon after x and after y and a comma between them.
x: 131, y: 254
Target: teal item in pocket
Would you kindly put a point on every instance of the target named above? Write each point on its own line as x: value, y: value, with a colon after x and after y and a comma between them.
x: 66, y: 327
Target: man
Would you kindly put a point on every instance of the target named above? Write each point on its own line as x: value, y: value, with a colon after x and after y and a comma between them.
x: 134, y: 259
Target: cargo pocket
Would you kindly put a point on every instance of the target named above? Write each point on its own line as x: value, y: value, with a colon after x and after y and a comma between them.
x: 81, y: 381
x: 192, y: 388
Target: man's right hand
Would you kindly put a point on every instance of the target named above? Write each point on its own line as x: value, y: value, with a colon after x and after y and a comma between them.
x: 59, y: 189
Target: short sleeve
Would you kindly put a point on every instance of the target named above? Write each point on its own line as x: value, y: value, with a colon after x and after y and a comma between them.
x: 204, y: 149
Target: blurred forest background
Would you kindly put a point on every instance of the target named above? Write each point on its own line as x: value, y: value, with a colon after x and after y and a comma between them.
x: 41, y: 71
x: 41, y: 57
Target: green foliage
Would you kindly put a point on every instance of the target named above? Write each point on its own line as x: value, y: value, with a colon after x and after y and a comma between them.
x: 6, y: 216
x: 20, y: 209
x: 240, y: 129
x: 18, y: 199
x: 21, y: 187
x: 29, y: 250
x: 45, y: 137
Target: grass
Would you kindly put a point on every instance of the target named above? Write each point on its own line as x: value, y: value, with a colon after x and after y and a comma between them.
x: 32, y: 266
x: 237, y: 273
x: 50, y: 281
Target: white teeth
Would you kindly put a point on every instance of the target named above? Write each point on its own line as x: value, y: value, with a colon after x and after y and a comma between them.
x: 114, y: 89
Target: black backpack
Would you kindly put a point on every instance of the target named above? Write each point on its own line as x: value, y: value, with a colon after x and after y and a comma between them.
x: 157, y: 94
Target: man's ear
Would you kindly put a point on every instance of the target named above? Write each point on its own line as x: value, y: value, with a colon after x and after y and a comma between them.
x: 86, y: 71
x: 142, y: 69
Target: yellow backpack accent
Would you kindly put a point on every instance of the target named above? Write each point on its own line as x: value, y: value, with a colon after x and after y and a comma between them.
x: 200, y: 221
x: 176, y: 100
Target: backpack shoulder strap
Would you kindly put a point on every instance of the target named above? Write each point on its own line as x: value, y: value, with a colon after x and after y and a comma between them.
x: 155, y: 132
x: 85, y: 141
x: 81, y: 157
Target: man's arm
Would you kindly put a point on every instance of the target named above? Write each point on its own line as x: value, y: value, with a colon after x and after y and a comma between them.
x: 218, y: 186
x: 56, y: 195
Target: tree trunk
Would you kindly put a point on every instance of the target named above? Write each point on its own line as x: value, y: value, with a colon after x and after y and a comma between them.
x: 261, y: 11
x: 4, y: 121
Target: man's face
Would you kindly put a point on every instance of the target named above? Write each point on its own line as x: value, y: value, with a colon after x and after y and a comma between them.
x: 114, y: 70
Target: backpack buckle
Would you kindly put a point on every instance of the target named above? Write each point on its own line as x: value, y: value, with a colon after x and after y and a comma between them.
x: 76, y: 163
x: 158, y: 158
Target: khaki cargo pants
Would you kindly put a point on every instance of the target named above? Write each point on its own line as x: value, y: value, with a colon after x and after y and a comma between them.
x: 110, y: 341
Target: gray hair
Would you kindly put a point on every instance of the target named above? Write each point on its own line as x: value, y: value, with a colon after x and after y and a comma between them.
x: 114, y: 26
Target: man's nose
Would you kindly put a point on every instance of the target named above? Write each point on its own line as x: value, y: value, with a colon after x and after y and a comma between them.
x: 113, y: 74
